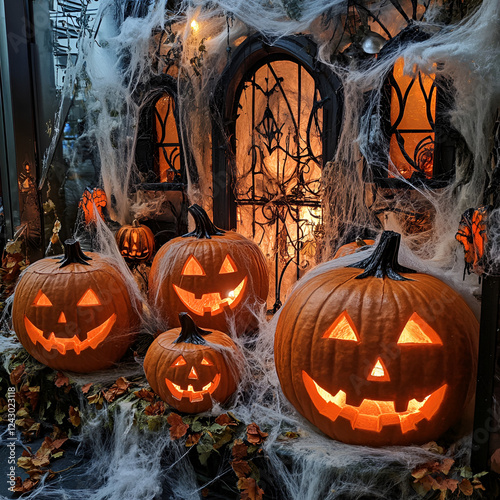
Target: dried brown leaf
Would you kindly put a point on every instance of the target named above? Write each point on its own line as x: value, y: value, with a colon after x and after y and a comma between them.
x: 240, y: 449
x: 157, y: 408
x: 446, y: 465
x: 61, y: 380
x: 177, y: 427
x: 249, y: 489
x: 466, y: 487
x: 74, y: 416
x: 225, y: 419
x: 193, y: 439
x: 86, y: 387
x: 16, y: 374
x: 145, y: 394
x: 241, y: 468
x: 254, y: 434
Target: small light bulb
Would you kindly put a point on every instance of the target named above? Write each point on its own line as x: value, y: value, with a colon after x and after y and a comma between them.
x: 194, y: 25
x: 231, y: 294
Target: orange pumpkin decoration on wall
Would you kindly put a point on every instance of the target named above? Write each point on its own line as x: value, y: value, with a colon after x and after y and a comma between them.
x: 375, y: 353
x: 217, y: 276
x: 74, y: 313
x: 136, y: 242
x: 187, y: 367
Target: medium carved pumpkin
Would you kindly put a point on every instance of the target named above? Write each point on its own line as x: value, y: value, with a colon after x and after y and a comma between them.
x: 217, y: 276
x: 359, y: 245
x: 187, y: 367
x: 136, y: 242
x: 74, y: 312
x: 375, y: 353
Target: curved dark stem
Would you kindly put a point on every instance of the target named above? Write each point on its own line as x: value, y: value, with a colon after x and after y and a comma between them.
x: 384, y: 259
x: 190, y: 333
x: 73, y: 254
x: 205, y: 228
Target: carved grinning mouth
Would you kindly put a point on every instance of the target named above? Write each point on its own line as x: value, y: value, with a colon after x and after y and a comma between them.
x: 194, y: 396
x: 94, y: 337
x: 210, y: 302
x: 372, y: 415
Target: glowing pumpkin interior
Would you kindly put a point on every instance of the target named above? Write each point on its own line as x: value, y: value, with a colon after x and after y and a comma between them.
x: 373, y: 415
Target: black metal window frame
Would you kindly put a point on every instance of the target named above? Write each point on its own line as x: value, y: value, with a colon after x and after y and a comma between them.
x: 251, y: 55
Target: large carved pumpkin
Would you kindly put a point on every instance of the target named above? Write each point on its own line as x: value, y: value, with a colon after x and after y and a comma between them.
x: 136, y: 242
x: 187, y: 366
x: 74, y: 313
x: 217, y: 276
x: 377, y: 354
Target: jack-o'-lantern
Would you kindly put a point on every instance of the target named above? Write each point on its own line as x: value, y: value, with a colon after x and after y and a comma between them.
x: 359, y: 245
x: 136, y: 242
x: 375, y: 353
x: 217, y: 276
x: 74, y: 313
x: 189, y: 367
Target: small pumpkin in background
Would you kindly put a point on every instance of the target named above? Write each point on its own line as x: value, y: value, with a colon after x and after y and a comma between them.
x: 375, y: 353
x: 136, y: 242
x: 74, y: 312
x: 356, y: 246
x: 187, y: 369
x: 217, y: 276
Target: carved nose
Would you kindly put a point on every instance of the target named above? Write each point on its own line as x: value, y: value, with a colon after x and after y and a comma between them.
x: 62, y: 318
x: 193, y: 374
x: 379, y: 372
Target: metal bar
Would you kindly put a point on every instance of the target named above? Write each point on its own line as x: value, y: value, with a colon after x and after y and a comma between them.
x: 484, y: 422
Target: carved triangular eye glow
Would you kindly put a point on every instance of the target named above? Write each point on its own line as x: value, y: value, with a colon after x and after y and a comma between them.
x: 342, y: 329
x: 89, y: 298
x: 228, y: 266
x: 179, y: 361
x: 206, y: 362
x: 192, y: 267
x: 41, y: 299
x: 417, y: 331
x: 379, y: 372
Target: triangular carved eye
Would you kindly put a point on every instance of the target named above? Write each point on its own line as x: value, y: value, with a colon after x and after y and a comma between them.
x: 205, y: 361
x: 89, y: 298
x: 228, y: 266
x: 342, y: 329
x: 41, y: 299
x: 180, y: 361
x: 192, y: 267
x: 417, y: 331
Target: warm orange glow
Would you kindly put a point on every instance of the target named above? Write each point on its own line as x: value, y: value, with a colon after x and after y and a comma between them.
x: 194, y: 25
x: 228, y: 266
x: 92, y: 204
x: 193, y: 374
x: 179, y: 361
x: 62, y: 318
x: 192, y: 267
x: 379, y: 372
x: 178, y: 392
x: 417, y: 331
x: 342, y: 329
x: 89, y: 298
x: 206, y: 362
x: 41, y: 300
x: 373, y: 415
x: 414, y: 126
x: 211, y: 303
x: 94, y: 337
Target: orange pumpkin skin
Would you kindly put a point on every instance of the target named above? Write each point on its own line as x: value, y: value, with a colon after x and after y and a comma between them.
x: 136, y: 242
x: 184, y: 369
x: 217, y: 276
x: 354, y: 247
x: 357, y: 357
x: 78, y: 317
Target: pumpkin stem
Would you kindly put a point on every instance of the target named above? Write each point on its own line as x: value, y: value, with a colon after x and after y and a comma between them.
x: 384, y: 259
x: 190, y: 333
x: 205, y: 228
x: 135, y: 223
x: 73, y: 254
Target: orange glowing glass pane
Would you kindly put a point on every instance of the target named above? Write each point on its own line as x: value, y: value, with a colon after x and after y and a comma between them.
x: 417, y: 331
x: 342, y: 329
x: 179, y: 361
x: 41, y: 299
x: 379, y: 372
x: 89, y: 298
x: 415, y: 128
x: 228, y: 266
x: 192, y: 267
x: 206, y: 362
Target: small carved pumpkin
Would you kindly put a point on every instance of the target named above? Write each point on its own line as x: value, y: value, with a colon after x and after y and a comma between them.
x: 136, y: 242
x: 187, y: 368
x: 356, y: 246
x: 375, y: 353
x: 74, y: 313
x: 217, y: 276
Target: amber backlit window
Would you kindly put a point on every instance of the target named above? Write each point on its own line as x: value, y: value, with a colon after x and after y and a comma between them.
x: 413, y: 115
x: 167, y: 146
